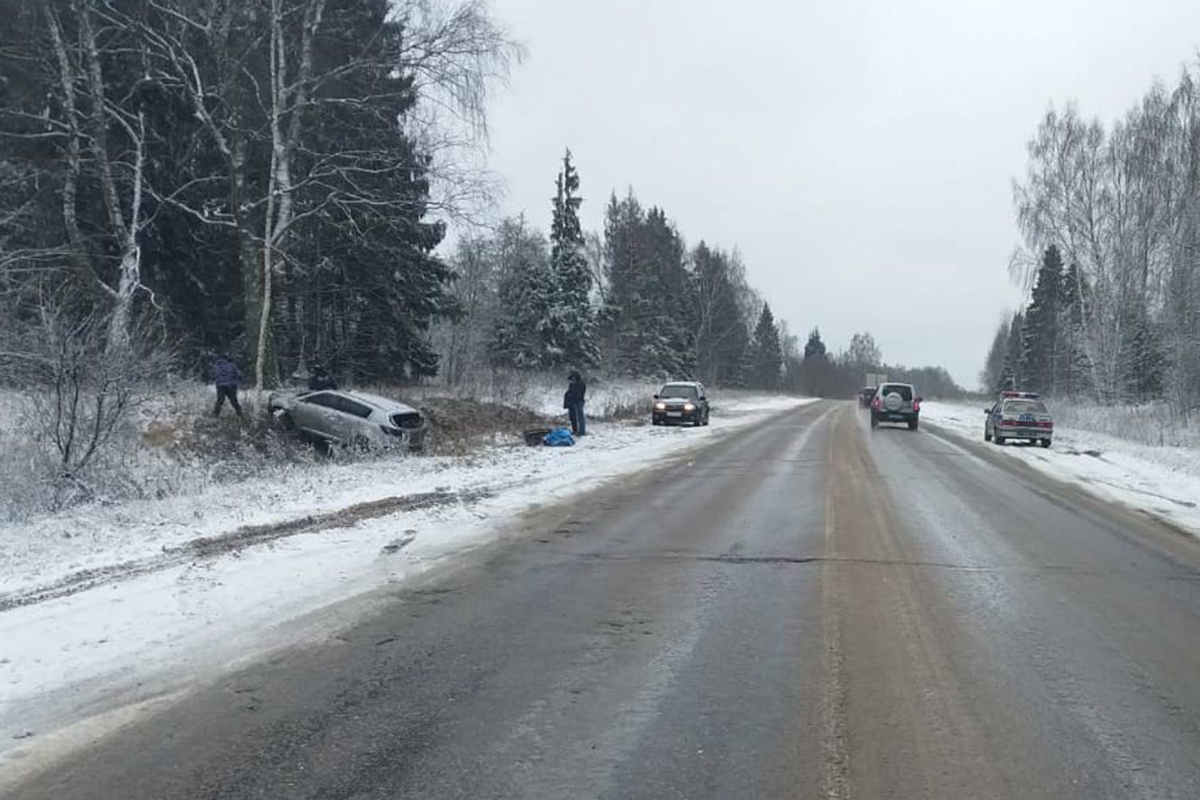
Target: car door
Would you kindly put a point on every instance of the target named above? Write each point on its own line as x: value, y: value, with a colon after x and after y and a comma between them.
x: 352, y: 419
x: 318, y: 414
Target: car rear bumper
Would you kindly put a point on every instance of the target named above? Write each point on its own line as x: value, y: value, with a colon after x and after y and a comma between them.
x: 897, y: 416
x: 1024, y: 433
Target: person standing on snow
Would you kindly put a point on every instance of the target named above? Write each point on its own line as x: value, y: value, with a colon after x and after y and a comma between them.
x: 573, y: 403
x: 227, y: 378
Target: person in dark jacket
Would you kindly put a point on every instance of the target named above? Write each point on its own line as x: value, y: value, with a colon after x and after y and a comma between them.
x: 320, y: 379
x: 227, y: 378
x: 573, y: 403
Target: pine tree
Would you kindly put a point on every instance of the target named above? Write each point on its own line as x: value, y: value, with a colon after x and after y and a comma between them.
x: 1040, y: 357
x: 767, y: 351
x: 572, y: 334
x: 522, y: 337
x: 993, y: 366
x: 815, y: 346
x: 1010, y: 375
x: 817, y: 374
x: 1074, y: 369
x: 722, y: 330
x: 649, y: 317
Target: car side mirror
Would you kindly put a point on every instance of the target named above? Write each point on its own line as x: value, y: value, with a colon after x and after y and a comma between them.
x: 655, y: 397
x: 987, y: 411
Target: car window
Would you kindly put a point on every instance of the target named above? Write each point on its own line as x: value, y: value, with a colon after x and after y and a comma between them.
x: 353, y: 407
x: 905, y: 392
x: 1025, y: 407
x: 323, y: 400
x: 678, y: 391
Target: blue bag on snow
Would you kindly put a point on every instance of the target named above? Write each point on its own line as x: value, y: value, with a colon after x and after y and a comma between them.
x: 560, y: 437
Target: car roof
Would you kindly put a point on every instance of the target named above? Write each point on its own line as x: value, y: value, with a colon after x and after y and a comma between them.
x: 681, y: 383
x: 378, y: 401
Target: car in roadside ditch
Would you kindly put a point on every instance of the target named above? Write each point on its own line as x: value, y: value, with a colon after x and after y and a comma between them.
x: 896, y: 402
x: 351, y: 419
x: 681, y: 403
x: 1018, y: 415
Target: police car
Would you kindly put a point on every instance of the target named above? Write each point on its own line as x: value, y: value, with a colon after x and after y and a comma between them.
x: 1018, y: 415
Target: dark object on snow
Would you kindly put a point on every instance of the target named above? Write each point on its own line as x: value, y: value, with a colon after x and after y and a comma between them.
x: 573, y: 402
x: 535, y: 436
x: 227, y: 376
x: 320, y: 380
x: 559, y: 437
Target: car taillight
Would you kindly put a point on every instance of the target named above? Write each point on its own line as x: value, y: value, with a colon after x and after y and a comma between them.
x: 916, y: 405
x: 875, y: 403
x: 1008, y: 422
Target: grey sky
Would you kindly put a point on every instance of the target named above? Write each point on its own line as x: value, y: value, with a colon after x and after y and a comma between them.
x: 859, y: 154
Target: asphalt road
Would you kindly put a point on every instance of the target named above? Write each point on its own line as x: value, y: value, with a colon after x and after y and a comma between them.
x: 811, y: 610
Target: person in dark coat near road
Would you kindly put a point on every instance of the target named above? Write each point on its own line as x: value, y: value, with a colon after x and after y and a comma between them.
x: 320, y: 379
x: 227, y: 378
x: 573, y: 403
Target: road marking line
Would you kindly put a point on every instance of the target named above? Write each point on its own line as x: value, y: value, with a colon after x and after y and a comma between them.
x: 835, y: 760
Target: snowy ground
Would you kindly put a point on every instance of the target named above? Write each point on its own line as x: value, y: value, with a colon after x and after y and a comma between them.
x: 109, y: 606
x: 1161, y: 480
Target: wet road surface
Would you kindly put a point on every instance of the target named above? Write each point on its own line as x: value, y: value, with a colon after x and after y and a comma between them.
x: 809, y: 610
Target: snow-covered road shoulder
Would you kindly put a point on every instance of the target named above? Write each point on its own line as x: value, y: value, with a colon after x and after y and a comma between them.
x: 1158, y: 480
x: 161, y: 604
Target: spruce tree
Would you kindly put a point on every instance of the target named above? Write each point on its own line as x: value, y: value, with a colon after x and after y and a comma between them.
x: 523, y: 333
x: 1075, y: 370
x: 649, y: 320
x: 572, y: 321
x: 1011, y: 376
x: 1040, y: 357
x: 767, y: 351
x: 815, y: 346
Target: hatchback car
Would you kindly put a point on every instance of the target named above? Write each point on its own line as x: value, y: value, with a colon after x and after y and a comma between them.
x: 1018, y: 415
x: 896, y: 402
x: 680, y: 402
x: 355, y: 419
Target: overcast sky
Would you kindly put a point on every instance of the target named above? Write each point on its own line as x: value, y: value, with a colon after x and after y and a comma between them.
x: 859, y: 154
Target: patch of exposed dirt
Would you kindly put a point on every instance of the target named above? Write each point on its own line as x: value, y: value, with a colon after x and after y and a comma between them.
x: 459, y: 424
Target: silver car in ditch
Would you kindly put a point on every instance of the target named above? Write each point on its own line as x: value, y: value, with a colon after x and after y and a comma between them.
x: 353, y: 419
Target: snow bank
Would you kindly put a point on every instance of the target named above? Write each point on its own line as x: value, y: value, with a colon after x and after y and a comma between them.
x: 1160, y: 480
x: 132, y: 639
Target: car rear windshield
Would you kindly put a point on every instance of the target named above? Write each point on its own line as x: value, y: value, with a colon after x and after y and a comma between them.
x: 905, y: 392
x: 1025, y: 407
x: 677, y: 391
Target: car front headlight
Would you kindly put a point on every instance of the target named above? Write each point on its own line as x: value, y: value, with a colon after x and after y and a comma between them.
x: 689, y: 407
x: 660, y: 406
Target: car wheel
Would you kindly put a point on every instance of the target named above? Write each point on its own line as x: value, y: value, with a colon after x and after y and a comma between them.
x: 1045, y: 442
x: 987, y: 437
x: 999, y: 440
x: 912, y: 426
x: 874, y: 421
x: 285, y: 421
x: 706, y: 416
x: 361, y: 444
